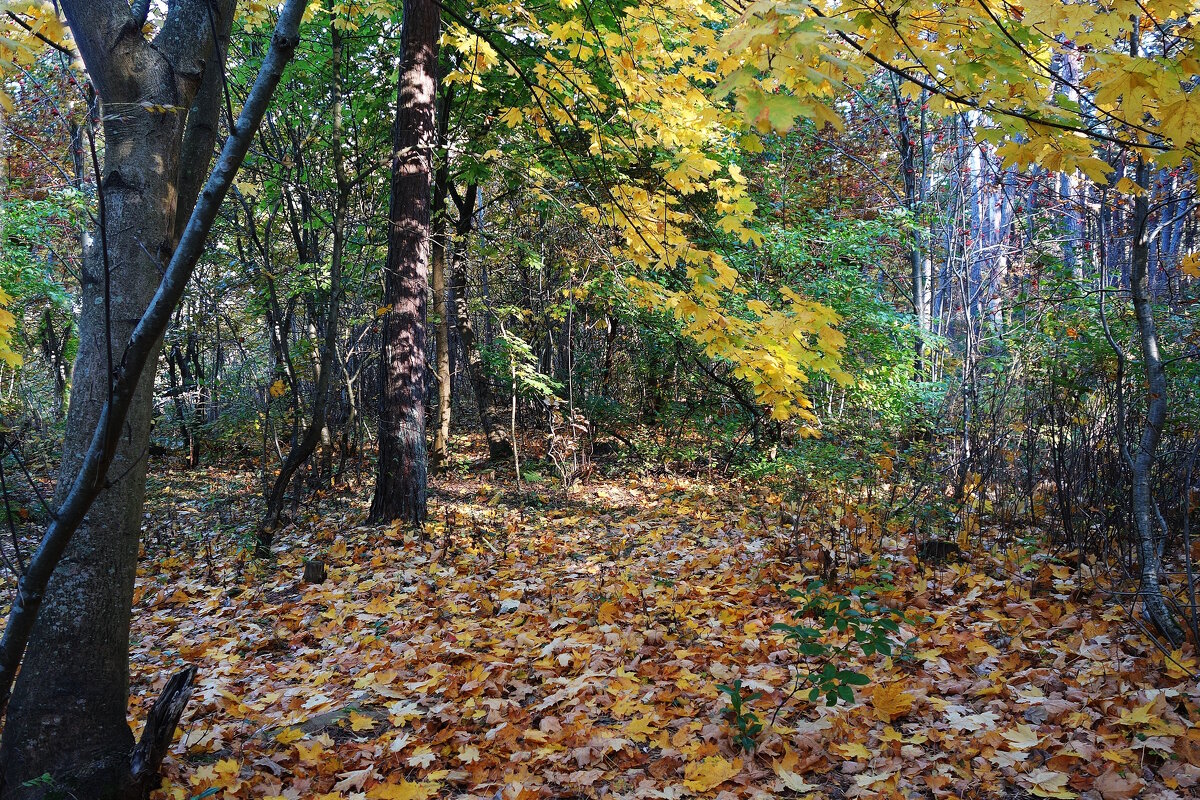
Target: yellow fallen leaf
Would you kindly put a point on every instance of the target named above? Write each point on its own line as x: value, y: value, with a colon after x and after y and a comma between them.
x: 289, y: 735
x: 404, y: 790
x: 700, y: 776
x: 310, y: 754
x: 793, y: 781
x: 360, y: 722
x: 854, y: 750
x: 1048, y: 783
x: 1139, y: 716
x: 1022, y: 737
x: 1179, y: 665
x: 891, y: 702
x: 422, y: 757
x: 609, y: 611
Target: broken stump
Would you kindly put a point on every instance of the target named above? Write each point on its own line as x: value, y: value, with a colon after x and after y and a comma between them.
x: 314, y: 571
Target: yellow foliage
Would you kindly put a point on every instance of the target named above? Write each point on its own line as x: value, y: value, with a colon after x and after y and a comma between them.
x: 709, y: 773
x: 891, y: 702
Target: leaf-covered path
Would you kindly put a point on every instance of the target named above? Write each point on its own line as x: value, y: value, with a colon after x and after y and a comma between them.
x: 575, y: 649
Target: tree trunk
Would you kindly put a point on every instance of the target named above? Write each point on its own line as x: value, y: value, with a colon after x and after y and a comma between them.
x: 316, y: 431
x: 66, y: 732
x: 490, y: 416
x: 68, y: 713
x: 1142, y: 496
x: 401, y: 481
x: 438, y: 247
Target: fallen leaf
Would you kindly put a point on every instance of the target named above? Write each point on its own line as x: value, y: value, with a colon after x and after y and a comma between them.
x: 891, y: 702
x: 700, y: 776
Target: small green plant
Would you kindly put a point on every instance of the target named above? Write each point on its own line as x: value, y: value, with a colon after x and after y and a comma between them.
x: 745, y: 722
x: 818, y: 666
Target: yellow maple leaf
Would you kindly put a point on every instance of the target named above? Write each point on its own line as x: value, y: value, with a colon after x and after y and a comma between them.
x: 404, y: 790
x: 310, y: 754
x: 289, y: 735
x: 710, y: 773
x: 891, y: 702
x: 278, y: 388
x: 360, y: 722
x: 1127, y: 186
x: 609, y: 611
x: 854, y: 750
x: 640, y: 729
x: 1191, y: 267
x: 1022, y: 737
x: 1048, y: 783
x: 1139, y: 716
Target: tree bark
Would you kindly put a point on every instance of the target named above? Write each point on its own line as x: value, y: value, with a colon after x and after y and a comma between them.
x: 303, y: 448
x: 70, y: 617
x: 437, y: 258
x: 401, y: 482
x: 1142, y: 496
x: 490, y: 416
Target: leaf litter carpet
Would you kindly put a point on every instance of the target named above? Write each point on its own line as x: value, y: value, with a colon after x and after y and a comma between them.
x: 573, y: 649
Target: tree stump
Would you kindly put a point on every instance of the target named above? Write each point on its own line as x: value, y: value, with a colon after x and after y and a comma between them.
x: 314, y: 571
x: 939, y: 551
x: 147, y: 756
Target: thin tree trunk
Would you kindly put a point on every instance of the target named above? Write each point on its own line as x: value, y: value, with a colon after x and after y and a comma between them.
x: 401, y: 481
x: 1156, y: 414
x: 490, y: 415
x: 438, y: 246
x: 316, y: 431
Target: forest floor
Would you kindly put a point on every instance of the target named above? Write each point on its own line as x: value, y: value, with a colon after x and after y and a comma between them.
x: 532, y: 644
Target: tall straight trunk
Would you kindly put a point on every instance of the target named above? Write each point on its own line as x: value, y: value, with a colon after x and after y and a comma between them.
x: 1142, y: 495
x: 401, y: 481
x: 438, y: 247
x: 490, y: 415
x: 67, y: 717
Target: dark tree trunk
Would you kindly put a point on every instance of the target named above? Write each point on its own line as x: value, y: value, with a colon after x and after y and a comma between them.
x: 303, y: 448
x: 54, y: 349
x: 490, y: 416
x: 402, y: 479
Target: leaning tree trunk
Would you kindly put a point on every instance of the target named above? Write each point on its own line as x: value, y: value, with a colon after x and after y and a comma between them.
x: 1142, y: 496
x: 303, y: 448
x: 66, y: 733
x: 490, y: 416
x: 401, y: 482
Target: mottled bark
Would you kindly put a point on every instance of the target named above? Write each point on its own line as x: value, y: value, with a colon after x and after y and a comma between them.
x: 401, y: 482
x: 70, y: 618
x: 1142, y: 495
